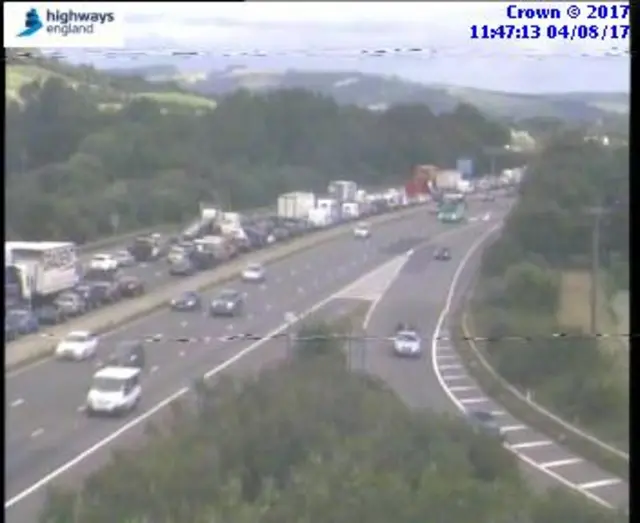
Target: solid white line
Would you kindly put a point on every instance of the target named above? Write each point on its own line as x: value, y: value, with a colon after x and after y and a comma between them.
x: 601, y: 483
x: 434, y: 362
x: 159, y: 406
x: 473, y: 401
x: 513, y: 428
x: 560, y: 463
x: 532, y: 444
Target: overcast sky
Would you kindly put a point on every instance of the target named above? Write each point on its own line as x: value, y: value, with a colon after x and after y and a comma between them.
x: 330, y: 36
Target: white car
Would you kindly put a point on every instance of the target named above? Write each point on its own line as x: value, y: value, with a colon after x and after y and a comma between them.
x: 361, y: 231
x: 114, y: 390
x: 103, y: 262
x: 407, y: 343
x: 124, y: 259
x: 254, y: 272
x: 77, y: 345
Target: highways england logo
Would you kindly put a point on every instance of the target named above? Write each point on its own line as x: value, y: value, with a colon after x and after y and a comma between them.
x: 65, y: 23
x: 62, y: 24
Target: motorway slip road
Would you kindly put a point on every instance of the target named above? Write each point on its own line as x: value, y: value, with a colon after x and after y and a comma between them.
x: 439, y: 381
x: 48, y: 437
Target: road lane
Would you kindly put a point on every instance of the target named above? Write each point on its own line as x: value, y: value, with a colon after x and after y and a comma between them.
x: 439, y: 381
x: 306, y: 272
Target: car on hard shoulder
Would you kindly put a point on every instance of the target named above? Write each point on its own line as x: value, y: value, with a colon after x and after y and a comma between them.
x: 228, y: 303
x: 442, y: 254
x: 77, y: 346
x: 187, y: 301
x: 485, y: 422
x: 254, y: 273
x: 114, y: 391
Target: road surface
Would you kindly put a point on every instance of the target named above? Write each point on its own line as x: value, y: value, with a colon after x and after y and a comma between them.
x: 438, y: 381
x: 48, y: 438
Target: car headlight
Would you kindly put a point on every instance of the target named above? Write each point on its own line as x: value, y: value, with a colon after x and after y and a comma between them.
x: 229, y: 305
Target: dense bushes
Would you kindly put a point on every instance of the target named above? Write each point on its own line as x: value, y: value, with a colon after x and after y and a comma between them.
x: 311, y: 442
x: 517, y: 300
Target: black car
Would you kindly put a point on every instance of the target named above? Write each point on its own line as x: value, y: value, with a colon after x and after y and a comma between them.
x: 145, y: 249
x: 106, y: 292
x: 486, y: 423
x: 89, y: 293
x: 442, y: 254
x: 227, y: 303
x: 128, y: 353
x: 188, y: 301
x: 50, y: 315
x: 182, y: 267
x: 131, y: 286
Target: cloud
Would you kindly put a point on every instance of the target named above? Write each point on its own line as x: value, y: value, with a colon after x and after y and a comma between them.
x: 333, y: 35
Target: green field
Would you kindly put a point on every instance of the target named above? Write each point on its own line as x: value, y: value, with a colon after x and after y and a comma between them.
x: 20, y: 75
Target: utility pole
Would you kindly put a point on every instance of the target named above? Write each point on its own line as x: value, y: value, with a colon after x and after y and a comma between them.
x: 597, y: 213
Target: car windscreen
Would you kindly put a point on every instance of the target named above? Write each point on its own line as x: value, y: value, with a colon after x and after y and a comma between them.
x: 406, y: 337
x: 103, y: 384
x: 76, y: 338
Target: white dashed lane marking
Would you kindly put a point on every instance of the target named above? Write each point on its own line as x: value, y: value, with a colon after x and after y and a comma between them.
x: 513, y: 428
x: 37, y: 432
x: 17, y: 402
x: 600, y: 483
x: 473, y: 401
x: 531, y: 444
x: 560, y: 463
x: 462, y: 388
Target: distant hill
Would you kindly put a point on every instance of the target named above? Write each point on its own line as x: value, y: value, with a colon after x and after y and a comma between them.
x: 110, y: 90
x: 379, y: 92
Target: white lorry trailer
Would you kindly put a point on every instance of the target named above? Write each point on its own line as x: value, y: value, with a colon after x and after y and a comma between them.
x: 41, y: 269
x: 296, y: 204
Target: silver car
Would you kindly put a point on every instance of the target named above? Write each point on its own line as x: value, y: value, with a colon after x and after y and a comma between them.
x: 407, y: 343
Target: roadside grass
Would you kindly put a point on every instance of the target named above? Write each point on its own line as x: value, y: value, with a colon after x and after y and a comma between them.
x: 177, y: 98
x: 575, y: 311
x: 20, y: 75
x: 465, y: 330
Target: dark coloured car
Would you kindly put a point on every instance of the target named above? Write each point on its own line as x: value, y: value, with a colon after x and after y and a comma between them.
x: 130, y: 286
x: 145, y: 249
x: 50, y: 315
x: 227, y: 303
x: 18, y: 322
x: 188, y: 301
x: 442, y: 254
x: 128, y: 353
x: 107, y: 292
x: 182, y: 267
x: 71, y: 304
x: 485, y: 422
x: 89, y: 293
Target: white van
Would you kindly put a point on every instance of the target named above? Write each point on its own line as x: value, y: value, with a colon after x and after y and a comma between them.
x: 114, y: 390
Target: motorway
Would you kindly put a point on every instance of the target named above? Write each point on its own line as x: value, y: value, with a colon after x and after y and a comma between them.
x: 48, y: 438
x: 439, y: 381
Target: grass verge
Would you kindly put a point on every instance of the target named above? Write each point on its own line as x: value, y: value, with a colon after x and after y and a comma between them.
x: 477, y: 366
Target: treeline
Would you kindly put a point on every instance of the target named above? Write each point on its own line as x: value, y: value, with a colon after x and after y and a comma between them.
x: 72, y: 166
x: 311, y: 442
x: 517, y: 303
